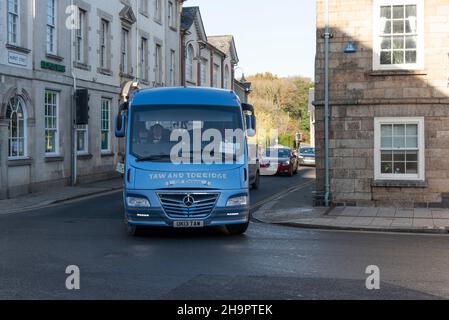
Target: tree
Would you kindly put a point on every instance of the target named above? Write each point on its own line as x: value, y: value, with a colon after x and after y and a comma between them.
x: 281, y: 103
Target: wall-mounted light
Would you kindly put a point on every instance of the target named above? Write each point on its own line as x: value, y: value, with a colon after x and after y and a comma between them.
x: 350, y: 48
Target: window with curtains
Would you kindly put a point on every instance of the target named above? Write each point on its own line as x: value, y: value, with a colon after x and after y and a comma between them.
x: 17, y: 131
x: 13, y: 23
x: 399, y: 34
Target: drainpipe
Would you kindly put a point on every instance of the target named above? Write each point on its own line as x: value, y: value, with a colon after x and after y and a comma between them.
x: 326, y: 103
x: 4, y: 158
x: 73, y: 105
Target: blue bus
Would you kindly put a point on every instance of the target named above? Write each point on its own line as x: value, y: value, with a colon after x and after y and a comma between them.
x: 169, y: 178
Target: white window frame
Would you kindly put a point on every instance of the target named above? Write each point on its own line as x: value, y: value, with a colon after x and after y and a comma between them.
x: 104, y: 43
x: 215, y: 74
x: 226, y: 77
x: 189, y: 63
x: 144, y: 6
x: 15, y: 16
x: 102, y: 129
x: 144, y: 58
x: 80, y: 35
x: 124, y: 51
x: 419, y: 65
x: 172, y: 67
x: 50, y: 28
x: 378, y: 122
x: 158, y: 10
x: 203, y: 75
x: 171, y: 14
x: 56, y: 129
x: 85, y: 129
x: 25, y: 131
x: 158, y: 64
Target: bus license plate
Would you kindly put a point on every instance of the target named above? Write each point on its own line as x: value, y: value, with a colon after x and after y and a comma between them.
x: 189, y: 224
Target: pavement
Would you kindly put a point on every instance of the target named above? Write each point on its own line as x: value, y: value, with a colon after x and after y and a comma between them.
x: 38, y: 200
x: 294, y: 208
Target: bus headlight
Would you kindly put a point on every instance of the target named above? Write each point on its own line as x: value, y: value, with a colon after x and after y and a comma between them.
x: 237, y: 201
x: 136, y: 202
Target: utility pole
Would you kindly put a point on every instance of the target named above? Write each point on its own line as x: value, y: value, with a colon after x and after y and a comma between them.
x: 74, y: 25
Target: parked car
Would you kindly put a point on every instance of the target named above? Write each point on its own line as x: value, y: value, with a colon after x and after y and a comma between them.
x: 279, y: 160
x: 306, y: 156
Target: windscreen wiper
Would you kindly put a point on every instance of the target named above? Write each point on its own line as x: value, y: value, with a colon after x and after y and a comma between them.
x: 154, y: 158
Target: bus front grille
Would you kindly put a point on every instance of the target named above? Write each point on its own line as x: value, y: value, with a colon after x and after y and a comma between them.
x: 185, y: 205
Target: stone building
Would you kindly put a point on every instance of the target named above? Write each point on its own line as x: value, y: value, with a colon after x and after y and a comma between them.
x: 389, y: 102
x: 40, y: 57
x: 209, y: 61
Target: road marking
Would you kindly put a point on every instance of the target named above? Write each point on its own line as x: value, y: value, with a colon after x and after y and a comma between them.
x: 280, y: 194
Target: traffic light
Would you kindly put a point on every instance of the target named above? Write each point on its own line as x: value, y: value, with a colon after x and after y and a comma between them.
x: 82, y: 106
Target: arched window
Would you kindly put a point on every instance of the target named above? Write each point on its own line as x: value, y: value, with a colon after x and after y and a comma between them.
x: 16, y: 113
x: 189, y: 63
x: 226, y: 78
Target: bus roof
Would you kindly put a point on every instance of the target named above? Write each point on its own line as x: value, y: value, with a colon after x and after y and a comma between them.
x: 186, y: 96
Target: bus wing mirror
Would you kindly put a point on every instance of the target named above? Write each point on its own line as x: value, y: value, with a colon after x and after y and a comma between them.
x: 246, y: 107
x: 250, y: 125
x: 120, y: 126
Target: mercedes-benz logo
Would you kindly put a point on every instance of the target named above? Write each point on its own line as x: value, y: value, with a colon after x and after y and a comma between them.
x: 188, y: 200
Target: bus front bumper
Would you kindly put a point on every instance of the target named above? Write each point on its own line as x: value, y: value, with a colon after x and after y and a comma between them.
x: 156, y: 217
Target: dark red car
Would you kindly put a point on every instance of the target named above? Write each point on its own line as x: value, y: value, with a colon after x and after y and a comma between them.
x: 279, y: 160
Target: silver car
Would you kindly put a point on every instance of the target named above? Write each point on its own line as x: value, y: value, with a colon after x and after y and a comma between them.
x: 306, y: 156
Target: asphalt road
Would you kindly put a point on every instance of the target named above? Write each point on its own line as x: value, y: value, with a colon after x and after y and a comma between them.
x: 269, y: 262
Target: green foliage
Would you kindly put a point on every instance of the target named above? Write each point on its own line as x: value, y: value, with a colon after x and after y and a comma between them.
x: 282, y: 103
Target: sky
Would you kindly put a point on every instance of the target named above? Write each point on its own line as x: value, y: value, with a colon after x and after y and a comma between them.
x: 271, y: 36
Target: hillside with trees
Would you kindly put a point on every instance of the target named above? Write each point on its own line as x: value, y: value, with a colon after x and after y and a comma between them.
x: 281, y: 103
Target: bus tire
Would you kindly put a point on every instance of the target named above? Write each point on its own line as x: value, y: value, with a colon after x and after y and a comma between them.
x: 237, y: 229
x: 256, y: 183
x: 134, y: 230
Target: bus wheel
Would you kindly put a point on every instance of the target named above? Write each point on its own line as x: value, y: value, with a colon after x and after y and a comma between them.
x: 134, y: 231
x: 256, y: 183
x: 237, y: 229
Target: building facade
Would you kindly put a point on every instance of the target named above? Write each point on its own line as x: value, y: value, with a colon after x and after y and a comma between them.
x: 44, y: 51
x: 209, y: 61
x: 389, y: 102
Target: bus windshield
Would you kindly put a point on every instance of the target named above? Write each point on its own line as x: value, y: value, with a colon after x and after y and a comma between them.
x: 154, y: 129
